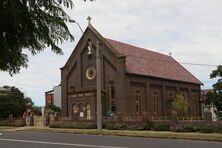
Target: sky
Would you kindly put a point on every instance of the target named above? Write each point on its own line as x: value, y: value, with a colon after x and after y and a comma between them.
x: 189, y: 29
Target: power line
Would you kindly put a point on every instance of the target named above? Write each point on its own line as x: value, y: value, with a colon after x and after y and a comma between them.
x: 198, y: 64
x: 169, y: 61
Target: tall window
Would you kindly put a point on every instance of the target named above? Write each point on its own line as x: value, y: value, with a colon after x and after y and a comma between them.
x: 112, y: 96
x: 195, y: 103
x: 138, y: 98
x: 88, y: 111
x: 81, y: 113
x: 155, y: 102
x: 169, y: 102
x: 170, y: 96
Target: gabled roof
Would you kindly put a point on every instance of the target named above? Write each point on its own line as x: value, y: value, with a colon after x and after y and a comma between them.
x: 148, y: 63
x: 100, y: 37
x: 49, y: 92
x: 144, y: 62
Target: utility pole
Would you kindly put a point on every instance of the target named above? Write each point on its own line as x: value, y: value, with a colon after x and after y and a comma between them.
x: 98, y: 87
x: 98, y: 83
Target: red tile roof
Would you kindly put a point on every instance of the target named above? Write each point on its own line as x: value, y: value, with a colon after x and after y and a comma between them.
x: 203, y: 94
x: 149, y: 63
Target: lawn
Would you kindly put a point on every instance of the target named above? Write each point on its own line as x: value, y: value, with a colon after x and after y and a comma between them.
x: 147, y: 134
x: 6, y: 127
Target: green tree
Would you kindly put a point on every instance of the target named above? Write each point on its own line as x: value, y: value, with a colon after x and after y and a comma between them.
x: 53, y: 108
x: 32, y: 25
x: 215, y: 98
x: 13, y: 103
x: 180, y: 104
x: 37, y: 110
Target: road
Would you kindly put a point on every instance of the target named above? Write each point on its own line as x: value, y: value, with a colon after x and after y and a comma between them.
x: 61, y: 140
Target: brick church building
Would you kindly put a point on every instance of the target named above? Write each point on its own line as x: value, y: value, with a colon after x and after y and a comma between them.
x: 135, y: 81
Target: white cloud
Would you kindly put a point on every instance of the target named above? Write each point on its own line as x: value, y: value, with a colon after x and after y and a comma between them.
x: 190, y: 29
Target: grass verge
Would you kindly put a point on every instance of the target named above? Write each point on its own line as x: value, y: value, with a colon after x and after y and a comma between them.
x: 6, y: 127
x: 147, y: 134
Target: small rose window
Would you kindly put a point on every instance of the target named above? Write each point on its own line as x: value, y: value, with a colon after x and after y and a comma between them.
x: 91, y: 73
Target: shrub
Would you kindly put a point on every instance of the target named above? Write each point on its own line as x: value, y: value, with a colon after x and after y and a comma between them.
x: 135, y: 126
x: 53, y: 108
x: 186, y: 128
x: 110, y: 126
x: 161, y: 127
x: 4, y: 123
x: 121, y: 126
x: 206, y: 129
x: 70, y: 124
x: 220, y: 128
x: 147, y: 124
x: 124, y: 126
x: 37, y: 110
x: 17, y: 123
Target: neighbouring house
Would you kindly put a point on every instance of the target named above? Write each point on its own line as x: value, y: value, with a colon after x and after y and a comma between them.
x: 53, y: 96
x: 135, y: 81
x: 4, y: 91
x: 205, y: 108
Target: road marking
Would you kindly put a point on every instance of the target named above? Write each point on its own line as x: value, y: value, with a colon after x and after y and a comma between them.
x: 56, y: 143
x: 0, y: 134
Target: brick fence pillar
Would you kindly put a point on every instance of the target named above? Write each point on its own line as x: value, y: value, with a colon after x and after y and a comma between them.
x: 207, y: 116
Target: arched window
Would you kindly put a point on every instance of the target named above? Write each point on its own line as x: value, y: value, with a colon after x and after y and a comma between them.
x: 155, y: 102
x: 112, y: 96
x: 138, y: 99
x: 75, y: 109
x: 88, y: 111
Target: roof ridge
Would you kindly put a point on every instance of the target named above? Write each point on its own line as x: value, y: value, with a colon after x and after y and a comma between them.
x: 141, y: 48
